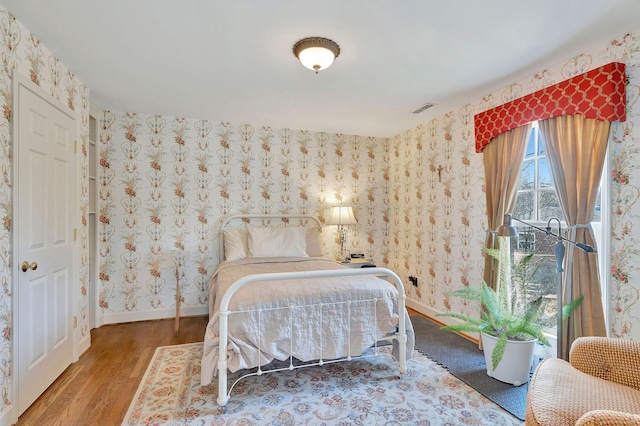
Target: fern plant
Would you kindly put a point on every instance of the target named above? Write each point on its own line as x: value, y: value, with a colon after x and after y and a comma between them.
x: 508, y: 313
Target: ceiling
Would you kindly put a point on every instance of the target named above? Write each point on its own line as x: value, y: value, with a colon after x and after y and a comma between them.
x: 232, y: 60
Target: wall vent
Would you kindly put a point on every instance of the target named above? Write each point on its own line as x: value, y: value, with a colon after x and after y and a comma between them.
x: 423, y: 108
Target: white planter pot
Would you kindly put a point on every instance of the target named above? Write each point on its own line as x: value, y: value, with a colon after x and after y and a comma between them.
x: 516, y: 361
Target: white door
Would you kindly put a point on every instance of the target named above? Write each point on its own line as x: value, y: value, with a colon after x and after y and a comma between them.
x: 44, y: 194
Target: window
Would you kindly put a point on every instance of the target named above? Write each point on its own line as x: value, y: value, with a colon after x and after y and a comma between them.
x: 536, y: 203
x: 537, y: 200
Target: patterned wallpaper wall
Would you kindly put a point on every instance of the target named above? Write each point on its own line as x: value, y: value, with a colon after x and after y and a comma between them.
x: 438, y: 220
x: 21, y: 52
x: 167, y: 183
x: 625, y: 193
x: 438, y: 224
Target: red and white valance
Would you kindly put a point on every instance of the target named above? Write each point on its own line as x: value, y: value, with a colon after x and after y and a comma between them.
x: 598, y: 94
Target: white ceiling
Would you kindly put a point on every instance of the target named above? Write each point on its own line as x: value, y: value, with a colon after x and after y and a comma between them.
x: 232, y: 60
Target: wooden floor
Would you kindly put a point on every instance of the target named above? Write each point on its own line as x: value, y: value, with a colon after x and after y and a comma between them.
x: 98, y: 389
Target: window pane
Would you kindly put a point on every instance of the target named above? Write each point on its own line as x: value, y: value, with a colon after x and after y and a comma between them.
x: 548, y: 205
x: 531, y: 146
x: 538, y: 274
x: 526, y: 240
x: 540, y: 144
x: 544, y: 175
x: 597, y: 211
x: 528, y: 175
x: 524, y: 206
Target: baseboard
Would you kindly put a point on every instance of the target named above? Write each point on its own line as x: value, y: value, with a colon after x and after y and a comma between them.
x: 432, y: 314
x: 8, y: 416
x: 115, y: 318
x: 423, y: 309
x: 84, y: 344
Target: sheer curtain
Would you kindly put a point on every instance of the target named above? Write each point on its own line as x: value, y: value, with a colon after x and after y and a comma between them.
x: 503, y: 159
x: 576, y: 149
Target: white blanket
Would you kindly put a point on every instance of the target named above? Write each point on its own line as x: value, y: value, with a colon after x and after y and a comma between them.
x: 318, y: 333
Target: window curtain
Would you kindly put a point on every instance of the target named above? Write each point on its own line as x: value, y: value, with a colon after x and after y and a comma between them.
x: 503, y: 159
x: 576, y: 147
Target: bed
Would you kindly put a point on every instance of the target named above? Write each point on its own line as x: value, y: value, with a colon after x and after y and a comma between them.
x: 273, y: 299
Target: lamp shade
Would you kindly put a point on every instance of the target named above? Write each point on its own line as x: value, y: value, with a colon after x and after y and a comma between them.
x: 316, y: 53
x: 507, y: 229
x: 341, y: 215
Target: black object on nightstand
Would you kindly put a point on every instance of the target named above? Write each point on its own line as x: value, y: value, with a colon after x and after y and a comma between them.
x: 356, y: 265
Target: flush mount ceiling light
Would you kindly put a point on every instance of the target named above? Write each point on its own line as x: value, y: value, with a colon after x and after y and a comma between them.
x: 316, y: 53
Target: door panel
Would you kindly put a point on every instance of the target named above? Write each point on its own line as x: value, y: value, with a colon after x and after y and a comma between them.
x: 45, y: 199
x: 37, y: 348
x: 60, y: 311
x: 60, y: 202
x: 36, y: 201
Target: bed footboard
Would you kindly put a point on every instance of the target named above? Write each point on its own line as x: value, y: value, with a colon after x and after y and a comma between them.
x: 400, y: 336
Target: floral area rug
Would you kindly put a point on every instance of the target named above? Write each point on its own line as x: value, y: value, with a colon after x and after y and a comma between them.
x: 359, y: 392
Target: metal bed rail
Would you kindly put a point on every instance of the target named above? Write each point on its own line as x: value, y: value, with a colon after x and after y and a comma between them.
x: 400, y: 336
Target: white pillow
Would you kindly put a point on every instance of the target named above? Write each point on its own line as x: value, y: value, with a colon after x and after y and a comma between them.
x: 235, y: 244
x: 314, y: 242
x: 277, y: 242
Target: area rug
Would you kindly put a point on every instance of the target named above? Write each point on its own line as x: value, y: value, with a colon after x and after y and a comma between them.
x: 464, y: 360
x: 360, y: 392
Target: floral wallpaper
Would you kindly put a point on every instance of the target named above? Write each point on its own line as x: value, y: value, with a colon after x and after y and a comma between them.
x: 166, y: 184
x: 625, y: 192
x: 21, y: 52
x: 438, y: 210
x: 437, y: 220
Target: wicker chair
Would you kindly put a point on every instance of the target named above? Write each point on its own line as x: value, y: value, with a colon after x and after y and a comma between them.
x: 600, y: 385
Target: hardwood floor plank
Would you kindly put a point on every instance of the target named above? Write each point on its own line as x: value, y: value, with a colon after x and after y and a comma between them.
x: 52, y: 402
x: 141, y: 366
x: 98, y: 388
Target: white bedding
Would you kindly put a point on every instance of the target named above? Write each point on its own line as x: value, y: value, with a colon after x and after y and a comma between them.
x: 311, y: 340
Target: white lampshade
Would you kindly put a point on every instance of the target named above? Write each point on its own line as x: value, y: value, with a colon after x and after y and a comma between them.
x: 316, y: 53
x: 341, y: 215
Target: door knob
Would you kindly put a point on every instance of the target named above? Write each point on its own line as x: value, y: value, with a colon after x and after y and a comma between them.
x: 25, y: 266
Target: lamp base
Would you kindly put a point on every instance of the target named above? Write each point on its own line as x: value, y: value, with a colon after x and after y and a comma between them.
x: 343, y: 256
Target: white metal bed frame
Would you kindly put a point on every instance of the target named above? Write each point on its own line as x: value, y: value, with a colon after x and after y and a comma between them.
x: 399, y: 335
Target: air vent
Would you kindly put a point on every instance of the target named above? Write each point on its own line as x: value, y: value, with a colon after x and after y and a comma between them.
x: 423, y: 108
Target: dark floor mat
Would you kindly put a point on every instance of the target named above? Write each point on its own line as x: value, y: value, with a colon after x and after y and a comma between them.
x: 464, y: 360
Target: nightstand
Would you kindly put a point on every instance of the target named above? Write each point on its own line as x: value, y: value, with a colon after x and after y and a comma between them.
x: 356, y: 265
x: 367, y: 264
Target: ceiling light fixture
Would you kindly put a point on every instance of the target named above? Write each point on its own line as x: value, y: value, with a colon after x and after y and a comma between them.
x: 316, y: 53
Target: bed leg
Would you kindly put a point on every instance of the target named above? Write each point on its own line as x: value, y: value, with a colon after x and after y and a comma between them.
x: 402, y: 333
x: 223, y: 397
x: 402, y: 365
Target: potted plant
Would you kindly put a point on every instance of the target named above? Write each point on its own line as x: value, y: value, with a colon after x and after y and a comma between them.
x: 511, y: 319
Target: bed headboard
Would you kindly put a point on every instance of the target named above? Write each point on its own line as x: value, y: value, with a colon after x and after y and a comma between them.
x: 243, y: 217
